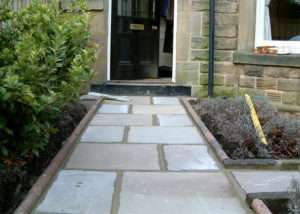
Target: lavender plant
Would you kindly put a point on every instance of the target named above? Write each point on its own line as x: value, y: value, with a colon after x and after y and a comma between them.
x: 230, y: 121
x: 294, y: 196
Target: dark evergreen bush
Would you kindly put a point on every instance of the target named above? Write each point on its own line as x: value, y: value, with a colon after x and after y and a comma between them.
x: 45, y: 57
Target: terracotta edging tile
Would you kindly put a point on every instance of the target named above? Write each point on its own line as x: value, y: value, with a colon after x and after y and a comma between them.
x: 259, y: 207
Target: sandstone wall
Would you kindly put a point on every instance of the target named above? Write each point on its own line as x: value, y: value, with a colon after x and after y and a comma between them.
x: 234, y: 32
x: 193, y: 41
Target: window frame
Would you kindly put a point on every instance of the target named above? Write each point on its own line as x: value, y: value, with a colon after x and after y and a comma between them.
x: 259, y: 32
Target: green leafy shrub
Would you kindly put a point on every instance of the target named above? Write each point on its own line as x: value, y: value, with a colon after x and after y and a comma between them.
x: 230, y: 121
x: 45, y: 57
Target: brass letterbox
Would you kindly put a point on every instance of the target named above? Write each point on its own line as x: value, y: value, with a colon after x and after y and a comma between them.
x: 137, y: 27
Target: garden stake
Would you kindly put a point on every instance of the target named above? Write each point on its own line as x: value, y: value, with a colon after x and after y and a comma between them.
x: 255, y: 120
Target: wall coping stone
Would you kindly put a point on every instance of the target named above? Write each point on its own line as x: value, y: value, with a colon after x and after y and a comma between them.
x: 291, y: 60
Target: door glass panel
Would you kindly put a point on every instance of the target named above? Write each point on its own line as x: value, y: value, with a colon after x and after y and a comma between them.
x: 126, y: 7
x: 137, y: 8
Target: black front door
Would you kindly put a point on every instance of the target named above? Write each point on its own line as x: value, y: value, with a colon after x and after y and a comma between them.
x: 134, y: 39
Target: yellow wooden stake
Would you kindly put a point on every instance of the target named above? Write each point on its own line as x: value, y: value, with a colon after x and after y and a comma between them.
x: 255, y: 120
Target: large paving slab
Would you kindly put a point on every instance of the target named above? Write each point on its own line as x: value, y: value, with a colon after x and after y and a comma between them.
x: 177, y: 193
x: 113, y: 109
x: 188, y: 157
x: 158, y: 109
x: 166, y: 101
x: 165, y: 135
x: 121, y: 120
x: 133, y: 101
x: 114, y: 156
x: 174, y: 120
x: 256, y: 182
x: 103, y: 134
x: 80, y: 192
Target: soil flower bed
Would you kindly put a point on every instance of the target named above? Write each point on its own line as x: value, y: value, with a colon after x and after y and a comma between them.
x: 230, y: 122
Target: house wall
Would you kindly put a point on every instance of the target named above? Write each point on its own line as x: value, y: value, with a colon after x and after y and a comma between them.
x: 99, y: 33
x: 193, y: 41
x: 276, y: 77
x: 23, y: 3
x: 280, y: 84
x: 234, y: 34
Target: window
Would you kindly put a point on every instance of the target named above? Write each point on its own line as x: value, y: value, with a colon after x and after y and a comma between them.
x: 278, y: 24
x: 137, y: 8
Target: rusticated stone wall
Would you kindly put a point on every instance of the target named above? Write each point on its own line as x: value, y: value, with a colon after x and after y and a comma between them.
x: 280, y: 84
x: 234, y: 32
x: 193, y: 41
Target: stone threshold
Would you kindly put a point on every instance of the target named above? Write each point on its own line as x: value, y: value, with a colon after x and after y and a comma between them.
x: 273, y: 164
x: 142, y: 89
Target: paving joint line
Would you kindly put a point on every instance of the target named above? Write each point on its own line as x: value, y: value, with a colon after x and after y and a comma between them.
x: 155, y: 121
x: 161, y: 158
x: 116, y: 196
x: 126, y: 134
x: 146, y: 171
x: 130, y: 109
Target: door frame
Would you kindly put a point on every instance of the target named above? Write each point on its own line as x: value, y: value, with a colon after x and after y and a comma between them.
x: 108, y: 76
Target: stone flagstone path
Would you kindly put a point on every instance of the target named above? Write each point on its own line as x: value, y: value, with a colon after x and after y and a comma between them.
x: 141, y: 157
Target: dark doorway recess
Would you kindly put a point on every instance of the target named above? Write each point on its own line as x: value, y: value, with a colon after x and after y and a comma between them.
x: 134, y: 39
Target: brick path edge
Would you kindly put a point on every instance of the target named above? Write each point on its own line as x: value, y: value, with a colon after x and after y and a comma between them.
x: 36, y: 190
x: 293, y: 164
x: 259, y: 207
x: 208, y: 135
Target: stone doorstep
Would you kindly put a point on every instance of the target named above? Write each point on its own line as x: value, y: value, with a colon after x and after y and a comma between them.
x: 135, y: 89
